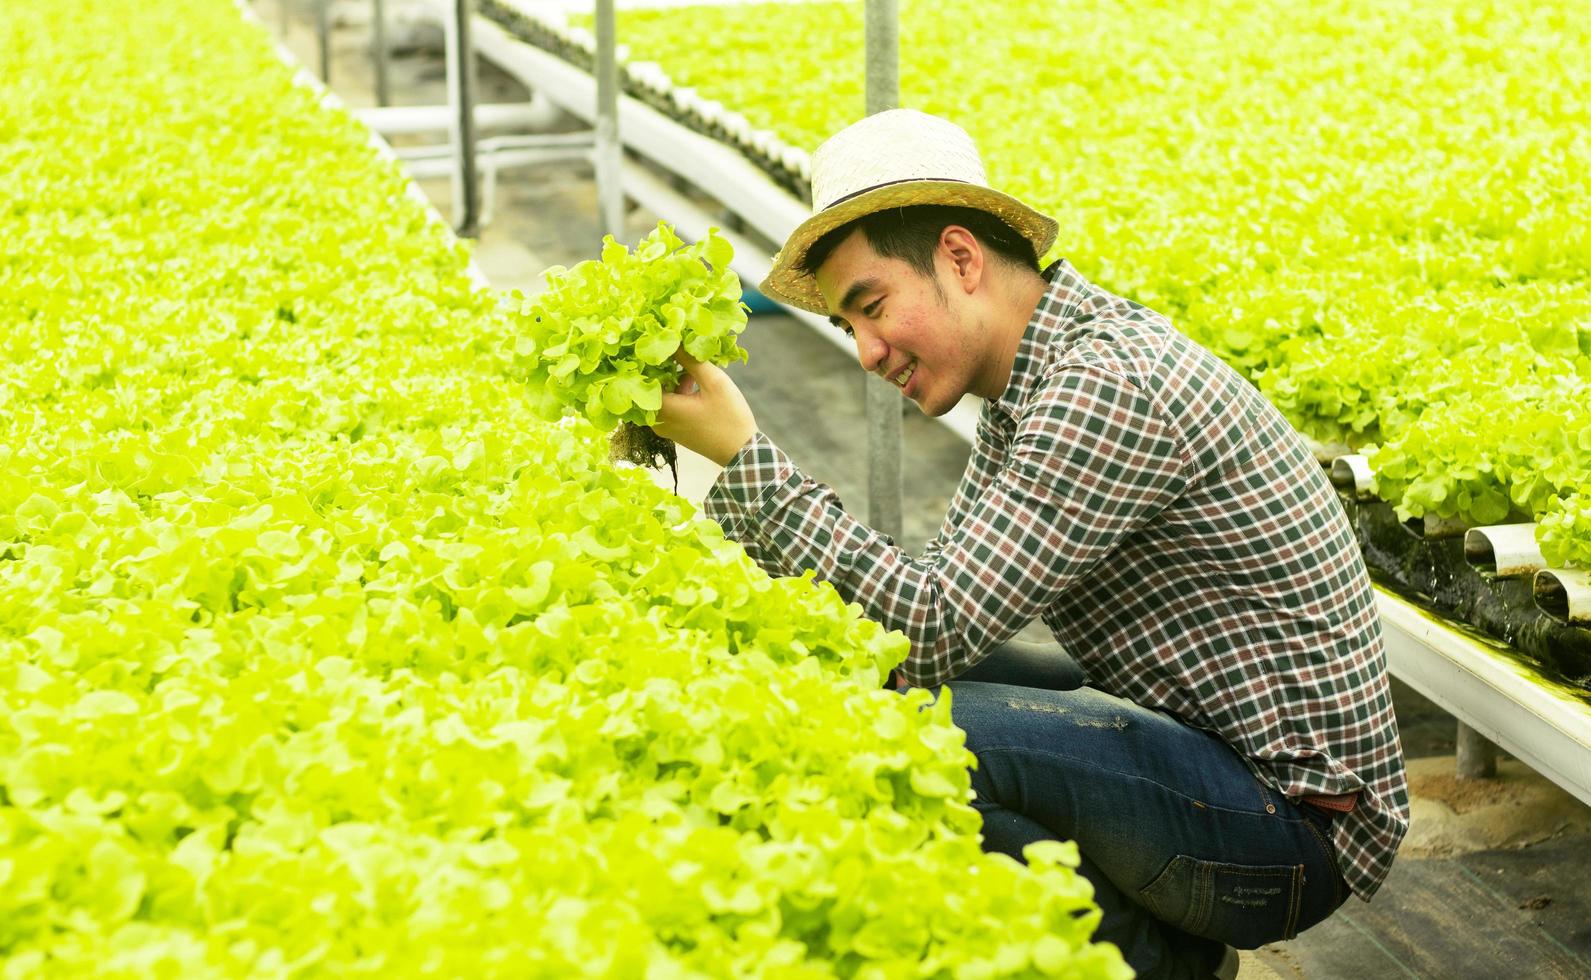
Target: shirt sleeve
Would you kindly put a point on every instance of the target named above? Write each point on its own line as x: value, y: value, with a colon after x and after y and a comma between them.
x: 735, y: 501
x: 1091, y: 460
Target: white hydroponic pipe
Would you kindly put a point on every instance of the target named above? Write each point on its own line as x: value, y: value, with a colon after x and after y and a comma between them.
x: 1352, y: 472
x: 1564, y: 594
x: 407, y: 120
x: 1493, y: 693
x: 1505, y: 550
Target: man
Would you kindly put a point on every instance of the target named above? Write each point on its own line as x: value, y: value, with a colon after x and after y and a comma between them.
x: 1233, y: 771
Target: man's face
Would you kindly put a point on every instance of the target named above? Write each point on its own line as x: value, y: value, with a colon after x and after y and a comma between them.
x: 905, y: 324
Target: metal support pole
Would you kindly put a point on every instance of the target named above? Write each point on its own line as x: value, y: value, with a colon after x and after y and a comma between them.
x: 1477, y: 757
x: 461, y: 94
x: 885, y: 495
x: 323, y: 32
x: 609, y: 158
x: 378, y: 50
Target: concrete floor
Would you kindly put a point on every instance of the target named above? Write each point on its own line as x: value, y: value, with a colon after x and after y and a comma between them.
x: 1494, y: 879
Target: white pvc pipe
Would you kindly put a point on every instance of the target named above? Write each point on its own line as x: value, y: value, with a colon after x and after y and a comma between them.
x: 405, y: 120
x: 1352, y: 472
x: 1506, y: 550
x: 438, y: 165
x: 573, y: 146
x: 1564, y: 594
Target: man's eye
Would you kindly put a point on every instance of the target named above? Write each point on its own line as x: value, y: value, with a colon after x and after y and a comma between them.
x: 871, y: 310
x: 847, y: 328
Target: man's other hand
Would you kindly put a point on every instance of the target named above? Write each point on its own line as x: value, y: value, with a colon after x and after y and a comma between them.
x: 706, y: 414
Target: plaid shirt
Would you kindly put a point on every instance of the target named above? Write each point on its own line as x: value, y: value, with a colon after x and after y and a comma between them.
x: 1169, y: 527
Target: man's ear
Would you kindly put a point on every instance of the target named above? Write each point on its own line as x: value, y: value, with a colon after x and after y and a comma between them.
x: 963, y: 252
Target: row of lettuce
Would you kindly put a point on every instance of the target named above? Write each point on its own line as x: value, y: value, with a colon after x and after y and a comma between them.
x: 1377, y: 211
x: 320, y: 653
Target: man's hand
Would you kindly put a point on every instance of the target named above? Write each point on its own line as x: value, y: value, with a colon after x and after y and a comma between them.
x: 706, y: 414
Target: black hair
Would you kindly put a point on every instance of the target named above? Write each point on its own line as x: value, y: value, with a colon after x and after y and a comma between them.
x: 912, y: 234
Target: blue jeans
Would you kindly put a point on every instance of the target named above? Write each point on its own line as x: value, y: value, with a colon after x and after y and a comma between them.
x: 1186, y: 849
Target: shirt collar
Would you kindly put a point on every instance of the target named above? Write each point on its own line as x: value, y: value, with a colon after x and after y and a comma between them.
x: 1055, y: 310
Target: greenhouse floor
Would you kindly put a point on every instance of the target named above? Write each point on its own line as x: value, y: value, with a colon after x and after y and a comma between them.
x: 1493, y: 878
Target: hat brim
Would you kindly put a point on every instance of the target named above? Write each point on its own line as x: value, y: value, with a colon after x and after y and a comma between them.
x: 788, y: 283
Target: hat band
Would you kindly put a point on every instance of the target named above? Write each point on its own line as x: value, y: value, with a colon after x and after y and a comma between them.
x: 891, y: 183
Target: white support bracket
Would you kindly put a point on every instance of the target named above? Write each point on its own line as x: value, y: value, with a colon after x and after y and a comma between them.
x: 1487, y: 689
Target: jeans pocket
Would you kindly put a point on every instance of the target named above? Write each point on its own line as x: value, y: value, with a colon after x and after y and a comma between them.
x: 1241, y: 905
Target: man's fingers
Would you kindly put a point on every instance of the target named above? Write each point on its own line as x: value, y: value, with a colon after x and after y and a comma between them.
x: 706, y: 375
x: 706, y: 414
x: 673, y: 405
x: 711, y: 377
x: 678, y: 407
x: 688, y: 384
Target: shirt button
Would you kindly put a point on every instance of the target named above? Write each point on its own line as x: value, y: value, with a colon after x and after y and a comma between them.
x: 1270, y: 808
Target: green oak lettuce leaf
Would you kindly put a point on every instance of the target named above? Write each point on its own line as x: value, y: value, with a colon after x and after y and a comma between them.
x: 601, y: 340
x: 1565, y: 529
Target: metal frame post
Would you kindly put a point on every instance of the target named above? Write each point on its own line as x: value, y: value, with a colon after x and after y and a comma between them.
x: 378, y: 49
x: 608, y: 158
x: 461, y: 94
x: 1476, y: 755
x: 323, y: 33
x: 885, y: 493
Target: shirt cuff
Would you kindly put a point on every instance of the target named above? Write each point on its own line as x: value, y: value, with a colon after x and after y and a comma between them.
x: 746, y: 484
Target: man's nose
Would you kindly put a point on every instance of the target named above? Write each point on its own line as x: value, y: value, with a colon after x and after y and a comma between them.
x: 870, y: 351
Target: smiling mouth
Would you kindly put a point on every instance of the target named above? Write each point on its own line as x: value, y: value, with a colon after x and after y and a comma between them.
x: 905, y: 375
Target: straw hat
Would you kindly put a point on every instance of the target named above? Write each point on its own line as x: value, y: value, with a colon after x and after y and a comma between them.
x: 889, y: 160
